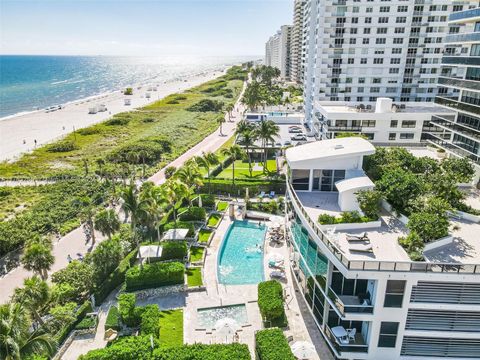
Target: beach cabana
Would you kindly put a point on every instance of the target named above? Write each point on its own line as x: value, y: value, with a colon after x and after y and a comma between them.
x: 175, y: 234
x: 150, y: 252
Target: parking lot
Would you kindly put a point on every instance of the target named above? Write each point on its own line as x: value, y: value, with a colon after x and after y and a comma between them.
x: 287, y: 138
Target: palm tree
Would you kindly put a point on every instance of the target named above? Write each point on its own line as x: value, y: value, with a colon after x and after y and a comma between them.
x: 206, y: 161
x: 16, y: 340
x: 243, y: 126
x: 247, y: 139
x: 34, y: 295
x: 37, y: 257
x: 106, y: 221
x: 155, y: 205
x: 190, y: 174
x: 133, y: 207
x: 142, y: 154
x: 133, y: 159
x: 174, y: 192
x: 234, y: 152
x: 87, y: 214
x: 229, y: 108
x: 220, y: 121
x: 266, y: 131
x: 252, y: 96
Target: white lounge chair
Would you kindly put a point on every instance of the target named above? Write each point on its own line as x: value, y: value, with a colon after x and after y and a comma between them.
x: 351, y: 333
x: 262, y: 195
x: 357, y: 237
x: 272, y: 194
x: 361, y: 248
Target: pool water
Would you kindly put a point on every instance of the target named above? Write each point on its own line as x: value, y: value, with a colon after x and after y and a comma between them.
x: 207, y: 317
x: 240, y: 258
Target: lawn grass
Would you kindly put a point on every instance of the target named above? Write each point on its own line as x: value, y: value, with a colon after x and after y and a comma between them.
x: 166, y: 119
x: 222, y: 206
x: 242, y: 171
x: 171, y: 327
x: 214, y: 219
x: 194, y: 276
x: 204, y: 235
x: 196, y: 254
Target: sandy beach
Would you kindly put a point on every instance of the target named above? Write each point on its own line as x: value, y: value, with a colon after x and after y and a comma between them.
x: 18, y: 133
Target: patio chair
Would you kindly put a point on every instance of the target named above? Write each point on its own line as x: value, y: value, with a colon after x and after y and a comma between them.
x: 277, y: 274
x: 351, y: 333
x: 272, y: 194
x: 355, y: 237
x: 367, y: 248
x: 262, y: 194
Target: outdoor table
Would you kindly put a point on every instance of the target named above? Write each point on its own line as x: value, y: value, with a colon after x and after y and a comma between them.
x: 340, y: 333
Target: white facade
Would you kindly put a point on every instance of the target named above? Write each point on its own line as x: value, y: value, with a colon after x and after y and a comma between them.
x: 359, y: 50
x: 296, y: 62
x: 383, y: 122
x: 278, y: 51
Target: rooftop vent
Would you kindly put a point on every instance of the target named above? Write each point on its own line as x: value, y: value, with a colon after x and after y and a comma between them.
x: 339, y: 146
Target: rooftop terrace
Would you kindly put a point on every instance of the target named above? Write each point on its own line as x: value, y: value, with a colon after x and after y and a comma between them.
x: 335, y: 107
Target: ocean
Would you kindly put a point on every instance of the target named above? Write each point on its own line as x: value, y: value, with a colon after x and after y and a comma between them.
x: 28, y: 83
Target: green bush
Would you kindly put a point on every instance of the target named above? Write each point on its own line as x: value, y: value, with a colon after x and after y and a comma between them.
x: 271, y: 207
x: 206, y: 105
x: 117, y: 121
x: 208, y: 200
x: 113, y: 319
x: 428, y: 226
x: 413, y: 245
x: 174, y: 250
x: 125, y: 348
x: 91, y: 130
x: 224, y: 186
x: 150, y: 323
x: 86, y: 323
x: 83, y: 310
x: 154, y: 275
x: 126, y: 307
x: 347, y: 217
x: 327, y: 219
x: 194, y: 214
x: 62, y: 146
x: 151, y: 151
x: 270, y: 301
x: 271, y: 344
x: 128, y: 91
x: 181, y: 225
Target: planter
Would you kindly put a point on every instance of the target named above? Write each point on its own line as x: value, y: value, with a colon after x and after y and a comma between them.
x: 438, y: 243
x: 400, y: 217
x: 465, y: 216
x: 353, y: 226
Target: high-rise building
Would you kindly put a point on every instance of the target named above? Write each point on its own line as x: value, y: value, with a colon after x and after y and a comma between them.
x: 356, y: 51
x: 278, y: 51
x: 296, y: 72
x: 459, y: 134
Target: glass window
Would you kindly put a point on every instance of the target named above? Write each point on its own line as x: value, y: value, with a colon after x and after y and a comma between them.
x: 388, y: 334
x: 394, y: 292
x: 393, y: 123
x: 408, y: 123
x: 406, y: 136
x: 392, y: 136
x: 300, y: 179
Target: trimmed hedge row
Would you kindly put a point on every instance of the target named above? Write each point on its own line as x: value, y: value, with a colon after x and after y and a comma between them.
x: 113, y: 319
x: 63, y: 333
x: 270, y: 301
x: 150, y: 320
x: 139, y: 348
x: 174, y: 250
x: 154, y: 275
x: 181, y: 225
x: 194, y: 213
x: 271, y: 344
x: 224, y: 186
x: 116, y: 278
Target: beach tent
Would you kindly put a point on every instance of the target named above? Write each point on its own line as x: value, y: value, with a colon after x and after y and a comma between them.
x: 175, y: 234
x: 150, y: 252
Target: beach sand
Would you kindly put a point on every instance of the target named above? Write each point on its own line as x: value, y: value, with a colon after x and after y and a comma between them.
x: 45, y: 127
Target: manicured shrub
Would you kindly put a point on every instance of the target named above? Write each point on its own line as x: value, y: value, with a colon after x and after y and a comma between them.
x: 206, y: 105
x: 117, y: 121
x: 128, y: 91
x: 326, y: 219
x: 428, y: 226
x: 150, y: 320
x: 270, y: 301
x: 174, y: 250
x: 181, y: 225
x: 224, y: 186
x: 194, y: 214
x: 347, y: 217
x: 271, y: 344
x: 208, y: 200
x: 113, y: 319
x: 125, y: 348
x: 126, y: 307
x: 154, y: 275
x: 85, y: 308
x: 62, y: 146
x: 86, y: 323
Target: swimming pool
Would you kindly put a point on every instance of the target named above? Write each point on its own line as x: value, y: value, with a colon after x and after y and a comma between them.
x: 240, y: 260
x: 207, y: 317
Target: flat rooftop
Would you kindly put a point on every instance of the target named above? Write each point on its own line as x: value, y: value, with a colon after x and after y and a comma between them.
x: 424, y: 151
x: 412, y: 107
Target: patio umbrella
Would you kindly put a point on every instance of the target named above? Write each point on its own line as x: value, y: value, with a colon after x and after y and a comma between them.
x: 303, y: 350
x: 226, y: 328
x: 276, y: 257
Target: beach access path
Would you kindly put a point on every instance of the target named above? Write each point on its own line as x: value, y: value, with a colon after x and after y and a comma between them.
x: 45, y: 127
x: 74, y: 242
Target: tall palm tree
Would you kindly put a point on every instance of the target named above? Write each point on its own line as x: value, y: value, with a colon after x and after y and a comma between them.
x: 229, y: 108
x: 107, y: 222
x: 37, y: 257
x: 234, y: 152
x: 243, y: 126
x: 154, y: 209
x: 142, y: 154
x: 221, y: 121
x: 87, y: 213
x: 190, y: 174
x: 266, y: 131
x: 174, y: 191
x: 133, y: 207
x: 252, y: 96
x: 206, y: 161
x: 34, y: 295
x: 247, y: 139
x: 16, y: 340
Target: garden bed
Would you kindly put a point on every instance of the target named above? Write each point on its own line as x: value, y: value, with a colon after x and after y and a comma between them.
x: 171, y: 327
x: 222, y: 206
x: 194, y: 276
x: 214, y: 220
x: 197, y: 254
x: 205, y: 236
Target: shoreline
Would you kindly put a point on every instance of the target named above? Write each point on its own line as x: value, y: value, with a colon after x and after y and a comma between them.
x: 23, y: 132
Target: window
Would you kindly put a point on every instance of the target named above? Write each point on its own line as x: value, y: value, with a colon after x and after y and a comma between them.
x: 363, y: 60
x: 398, y: 41
x: 368, y: 123
x: 366, y: 30
x: 408, y: 123
x: 393, y: 123
x: 384, y: 20
x: 396, y: 50
x: 380, y: 41
x: 395, y: 61
x: 384, y: 9
x: 368, y: 20
x: 392, y: 136
x: 361, y: 80
x: 399, y: 30
x: 381, y: 30
x: 378, y: 61
x: 366, y: 41
x: 405, y: 136
x: 395, y: 288
x: 388, y: 334
x: 351, y: 60
x: 393, y: 70
x: 402, y: 8
x: 376, y: 80
x: 353, y: 41
x: 369, y: 136
x: 401, y: 20
x: 300, y: 179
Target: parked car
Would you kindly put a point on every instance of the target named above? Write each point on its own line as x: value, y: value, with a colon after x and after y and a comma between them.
x: 299, y: 137
x: 287, y: 143
x: 295, y: 130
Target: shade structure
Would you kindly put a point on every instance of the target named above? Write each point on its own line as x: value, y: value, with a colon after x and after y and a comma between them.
x: 275, y: 257
x: 175, y: 234
x: 150, y: 251
x: 226, y: 328
x: 303, y: 350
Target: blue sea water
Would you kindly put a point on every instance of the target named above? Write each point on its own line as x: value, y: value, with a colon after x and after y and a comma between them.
x: 241, y: 255
x: 31, y: 82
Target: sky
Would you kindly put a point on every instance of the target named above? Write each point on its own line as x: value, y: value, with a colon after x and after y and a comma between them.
x: 142, y: 28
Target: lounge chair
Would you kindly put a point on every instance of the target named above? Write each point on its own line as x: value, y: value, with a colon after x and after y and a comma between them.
x: 361, y: 248
x: 355, y: 237
x: 262, y: 194
x: 272, y: 194
x: 277, y: 274
x: 276, y: 264
x: 351, y: 334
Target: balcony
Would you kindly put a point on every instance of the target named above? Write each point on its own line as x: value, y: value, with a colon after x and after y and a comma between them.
x: 350, y: 304
x: 464, y: 130
x: 462, y: 38
x: 461, y: 60
x: 459, y: 83
x: 465, y: 16
x: 345, y: 128
x: 356, y: 345
x: 435, y: 139
x: 455, y: 104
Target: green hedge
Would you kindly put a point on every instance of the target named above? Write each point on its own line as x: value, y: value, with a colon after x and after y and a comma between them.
x: 181, y: 225
x: 208, y: 200
x: 174, y: 250
x: 139, y: 348
x: 126, y: 307
x: 194, y: 213
x: 113, y: 319
x: 270, y: 301
x: 154, y: 275
x: 83, y: 310
x: 271, y: 344
x: 224, y: 186
x: 116, y: 278
x: 86, y: 323
x: 150, y: 323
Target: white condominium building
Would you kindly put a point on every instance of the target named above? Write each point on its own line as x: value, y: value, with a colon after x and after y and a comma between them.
x: 367, y: 297
x: 358, y: 50
x: 296, y: 62
x: 278, y: 51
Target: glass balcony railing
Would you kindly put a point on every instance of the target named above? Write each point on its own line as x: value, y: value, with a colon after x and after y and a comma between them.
x: 460, y: 60
x: 356, y: 345
x: 454, y: 104
x: 447, y: 145
x: 465, y: 130
x: 461, y: 83
x: 344, y: 128
x: 462, y: 38
x: 464, y: 15
x: 347, y: 304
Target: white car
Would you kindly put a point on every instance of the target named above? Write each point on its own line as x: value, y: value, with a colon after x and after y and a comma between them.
x: 299, y: 137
